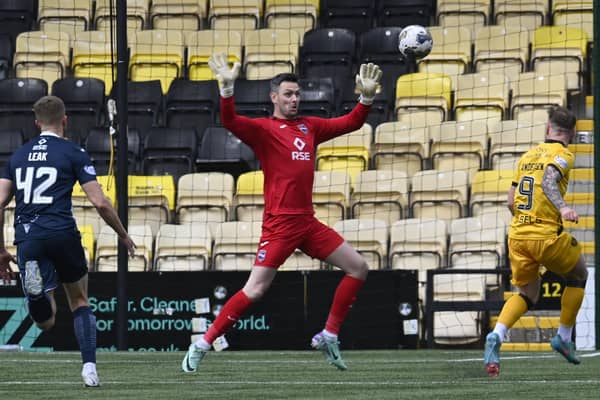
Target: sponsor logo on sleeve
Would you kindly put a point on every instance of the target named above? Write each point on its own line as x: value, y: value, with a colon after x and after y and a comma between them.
x: 561, y: 161
x: 90, y: 170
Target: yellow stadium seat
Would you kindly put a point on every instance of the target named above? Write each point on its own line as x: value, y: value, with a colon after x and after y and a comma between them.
x: 503, y: 49
x: 156, y: 54
x: 584, y: 154
x: 298, y: 261
x: 185, y: 247
x: 489, y: 193
x: 268, y: 52
x: 249, y: 202
x: 537, y: 91
x: 204, y: 197
x: 577, y: 13
x: 459, y: 146
x: 298, y: 15
x: 235, y: 245
x: 380, y: 194
x: 369, y: 237
x: 581, y: 180
x: 137, y: 12
x: 87, y: 241
x: 43, y: 55
x: 560, y: 51
x: 349, y: 153
x: 425, y: 97
x: 510, y: 139
x: 107, y: 247
x: 482, y: 96
x: 583, y: 230
x: 583, y: 203
x: 451, y: 52
x: 9, y: 238
x: 70, y: 16
x: 331, y: 194
x: 93, y: 57
x: 400, y: 146
x: 9, y: 213
x: 151, y: 199
x: 240, y: 15
x: 202, y: 44
x: 84, y: 212
x: 179, y: 15
x: 470, y: 14
x: 440, y: 195
x: 477, y: 242
x: 529, y: 14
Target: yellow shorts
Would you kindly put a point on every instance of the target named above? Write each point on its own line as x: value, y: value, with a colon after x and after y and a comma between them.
x: 559, y: 255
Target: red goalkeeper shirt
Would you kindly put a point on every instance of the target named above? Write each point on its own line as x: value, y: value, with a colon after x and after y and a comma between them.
x: 286, y: 150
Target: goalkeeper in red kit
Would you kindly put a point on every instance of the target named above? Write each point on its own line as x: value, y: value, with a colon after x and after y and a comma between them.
x: 285, y: 144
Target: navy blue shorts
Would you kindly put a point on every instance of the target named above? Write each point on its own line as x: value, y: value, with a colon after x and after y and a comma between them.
x: 60, y: 258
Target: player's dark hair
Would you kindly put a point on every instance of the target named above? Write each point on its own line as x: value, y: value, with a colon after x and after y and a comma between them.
x: 562, y: 120
x: 49, y: 110
x: 283, y: 77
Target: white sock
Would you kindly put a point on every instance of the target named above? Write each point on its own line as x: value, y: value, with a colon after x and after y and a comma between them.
x: 565, y: 332
x: 329, y: 336
x: 500, y: 329
x: 89, y: 366
x: 202, y: 344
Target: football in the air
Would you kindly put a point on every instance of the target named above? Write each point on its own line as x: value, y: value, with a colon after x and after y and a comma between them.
x: 415, y: 40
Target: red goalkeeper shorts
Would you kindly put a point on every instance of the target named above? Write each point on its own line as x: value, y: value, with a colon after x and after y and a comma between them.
x: 282, y: 234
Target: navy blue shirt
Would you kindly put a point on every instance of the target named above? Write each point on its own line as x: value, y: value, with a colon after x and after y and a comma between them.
x: 43, y: 172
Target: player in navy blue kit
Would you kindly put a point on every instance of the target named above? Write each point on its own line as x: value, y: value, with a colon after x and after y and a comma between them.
x: 41, y: 175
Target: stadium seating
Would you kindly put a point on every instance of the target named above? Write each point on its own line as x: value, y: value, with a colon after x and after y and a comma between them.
x: 560, y: 51
x: 501, y: 48
x: 151, y: 199
x: 16, y: 16
x: 105, y: 15
x: 98, y: 146
x: 470, y: 14
x: 9, y: 237
x: 17, y: 97
x: 71, y: 16
x: 380, y: 194
x: 581, y: 180
x: 368, y: 236
x: 84, y: 101
x: 156, y: 54
x: 244, y: 15
x: 441, y: 195
x: 529, y: 14
x: 107, y: 246
x: 235, y: 245
x: 201, y: 44
x: 582, y: 202
x: 405, y: 12
x: 183, y: 247
x: 400, y: 146
x: 169, y: 151
x: 534, y: 91
x: 297, y: 15
x: 482, y: 97
x: 451, y: 54
x: 477, y: 242
x: 6, y: 55
x: 357, y: 16
x: 10, y: 140
x: 252, y: 98
x: 204, y: 198
x: 84, y: 212
x: 43, y: 55
x: 93, y: 57
x: 582, y: 230
x: 489, y: 192
x: 510, y: 139
x: 87, y: 241
x: 144, y: 105
x: 298, y: 261
x: 268, y: 52
x: 423, y: 97
x: 328, y: 53
x: 459, y: 146
x: 221, y: 151
x: 584, y: 154
x: 381, y: 109
x: 349, y: 153
x: 248, y: 201
x: 177, y: 15
x: 318, y: 97
x: 191, y: 105
x: 331, y: 194
x: 578, y: 14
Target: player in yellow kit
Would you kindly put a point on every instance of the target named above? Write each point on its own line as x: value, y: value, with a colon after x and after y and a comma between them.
x: 536, y: 237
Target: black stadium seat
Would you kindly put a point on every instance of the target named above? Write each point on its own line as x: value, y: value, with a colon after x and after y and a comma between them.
x: 355, y: 15
x: 84, y: 100
x: 16, y: 102
x: 10, y: 140
x: 97, y: 144
x: 221, y: 151
x: 6, y: 55
x: 144, y: 104
x: 169, y: 151
x: 192, y: 104
x: 252, y: 97
x: 16, y: 16
x: 317, y: 97
x: 405, y: 12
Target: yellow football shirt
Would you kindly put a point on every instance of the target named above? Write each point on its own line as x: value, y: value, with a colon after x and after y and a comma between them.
x: 535, y: 217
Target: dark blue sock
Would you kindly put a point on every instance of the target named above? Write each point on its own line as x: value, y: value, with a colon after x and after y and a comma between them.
x: 85, y: 331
